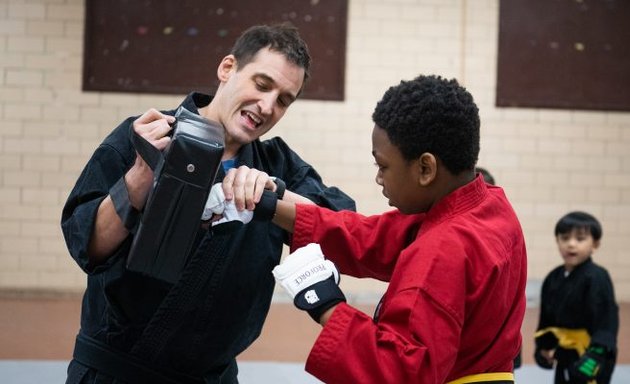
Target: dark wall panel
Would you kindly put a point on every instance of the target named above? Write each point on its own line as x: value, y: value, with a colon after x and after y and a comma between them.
x: 564, y: 54
x: 167, y: 46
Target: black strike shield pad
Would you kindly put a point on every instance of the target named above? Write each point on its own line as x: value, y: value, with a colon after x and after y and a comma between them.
x: 184, y: 174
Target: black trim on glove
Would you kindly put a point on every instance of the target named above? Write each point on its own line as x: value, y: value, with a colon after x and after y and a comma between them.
x: 127, y: 213
x: 319, y: 297
x: 266, y: 208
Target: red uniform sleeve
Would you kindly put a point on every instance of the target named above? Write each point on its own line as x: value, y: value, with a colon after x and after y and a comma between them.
x: 360, y: 246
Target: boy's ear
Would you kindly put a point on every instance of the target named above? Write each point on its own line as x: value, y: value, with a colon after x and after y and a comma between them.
x: 226, y: 67
x: 427, y: 169
x: 595, y: 244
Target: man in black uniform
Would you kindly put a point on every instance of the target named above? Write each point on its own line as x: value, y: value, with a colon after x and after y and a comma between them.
x: 137, y: 329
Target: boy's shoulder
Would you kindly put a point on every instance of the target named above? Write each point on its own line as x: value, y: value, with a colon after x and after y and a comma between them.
x: 592, y: 271
x: 592, y: 267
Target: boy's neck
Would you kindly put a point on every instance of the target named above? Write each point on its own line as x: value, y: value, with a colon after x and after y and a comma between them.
x: 568, y: 268
x: 453, y: 182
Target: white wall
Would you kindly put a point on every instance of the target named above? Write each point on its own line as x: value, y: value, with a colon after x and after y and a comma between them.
x: 549, y: 161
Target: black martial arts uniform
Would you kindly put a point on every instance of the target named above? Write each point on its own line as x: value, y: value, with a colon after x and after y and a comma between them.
x: 582, y: 299
x: 137, y: 329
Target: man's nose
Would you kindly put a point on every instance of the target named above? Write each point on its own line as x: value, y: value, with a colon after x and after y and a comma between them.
x: 266, y: 104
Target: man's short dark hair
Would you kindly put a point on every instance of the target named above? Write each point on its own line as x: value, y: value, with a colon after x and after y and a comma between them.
x: 579, y: 220
x: 282, y: 38
x: 431, y: 114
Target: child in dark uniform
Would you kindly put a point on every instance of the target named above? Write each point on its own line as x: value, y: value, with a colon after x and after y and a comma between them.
x: 579, y: 318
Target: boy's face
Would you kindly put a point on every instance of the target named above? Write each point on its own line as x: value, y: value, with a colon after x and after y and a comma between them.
x: 250, y: 100
x: 397, y: 176
x: 576, y: 247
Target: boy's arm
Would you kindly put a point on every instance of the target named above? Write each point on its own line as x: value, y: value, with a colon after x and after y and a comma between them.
x: 285, y: 215
x: 604, y: 311
x: 361, y: 246
x: 605, y: 314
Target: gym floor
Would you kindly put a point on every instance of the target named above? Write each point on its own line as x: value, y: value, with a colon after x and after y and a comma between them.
x: 41, y: 328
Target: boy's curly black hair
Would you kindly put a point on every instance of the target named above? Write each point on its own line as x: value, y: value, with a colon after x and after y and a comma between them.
x: 431, y: 114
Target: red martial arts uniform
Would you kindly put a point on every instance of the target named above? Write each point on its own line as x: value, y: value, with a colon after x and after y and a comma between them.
x: 456, y: 295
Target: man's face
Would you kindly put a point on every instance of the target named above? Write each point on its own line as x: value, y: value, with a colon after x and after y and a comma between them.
x: 251, y: 99
x: 396, y: 175
x: 575, y: 247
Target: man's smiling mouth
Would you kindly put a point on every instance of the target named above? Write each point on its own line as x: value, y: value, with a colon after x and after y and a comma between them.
x: 255, y: 120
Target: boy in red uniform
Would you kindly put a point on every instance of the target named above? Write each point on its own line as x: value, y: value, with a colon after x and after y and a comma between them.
x: 452, y: 251
x: 579, y: 317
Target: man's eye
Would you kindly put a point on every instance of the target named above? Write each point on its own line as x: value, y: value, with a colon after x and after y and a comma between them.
x: 262, y: 86
x: 283, y: 102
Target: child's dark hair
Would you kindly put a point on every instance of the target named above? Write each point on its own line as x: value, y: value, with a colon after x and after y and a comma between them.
x: 282, y: 38
x: 487, y: 176
x: 579, y: 220
x: 431, y: 114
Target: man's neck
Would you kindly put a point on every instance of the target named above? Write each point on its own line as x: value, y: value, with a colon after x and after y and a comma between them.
x: 231, y: 149
x: 230, y: 152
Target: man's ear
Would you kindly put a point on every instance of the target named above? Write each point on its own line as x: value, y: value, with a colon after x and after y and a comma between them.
x: 427, y: 169
x: 226, y: 68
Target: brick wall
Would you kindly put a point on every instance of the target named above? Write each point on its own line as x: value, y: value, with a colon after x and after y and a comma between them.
x: 548, y: 161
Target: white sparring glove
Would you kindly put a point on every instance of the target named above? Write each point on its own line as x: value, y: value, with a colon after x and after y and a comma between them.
x: 216, y: 204
x: 311, y: 280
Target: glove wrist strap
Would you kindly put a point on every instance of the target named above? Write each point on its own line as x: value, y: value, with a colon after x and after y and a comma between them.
x: 266, y: 208
x: 319, y: 297
x: 281, y: 187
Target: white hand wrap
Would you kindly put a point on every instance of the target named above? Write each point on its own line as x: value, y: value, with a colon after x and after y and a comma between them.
x: 303, y: 268
x: 216, y: 204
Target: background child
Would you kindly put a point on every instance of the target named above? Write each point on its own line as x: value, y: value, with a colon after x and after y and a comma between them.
x: 487, y: 176
x: 579, y: 318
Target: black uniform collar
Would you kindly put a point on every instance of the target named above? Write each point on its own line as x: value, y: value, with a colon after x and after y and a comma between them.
x: 579, y: 267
